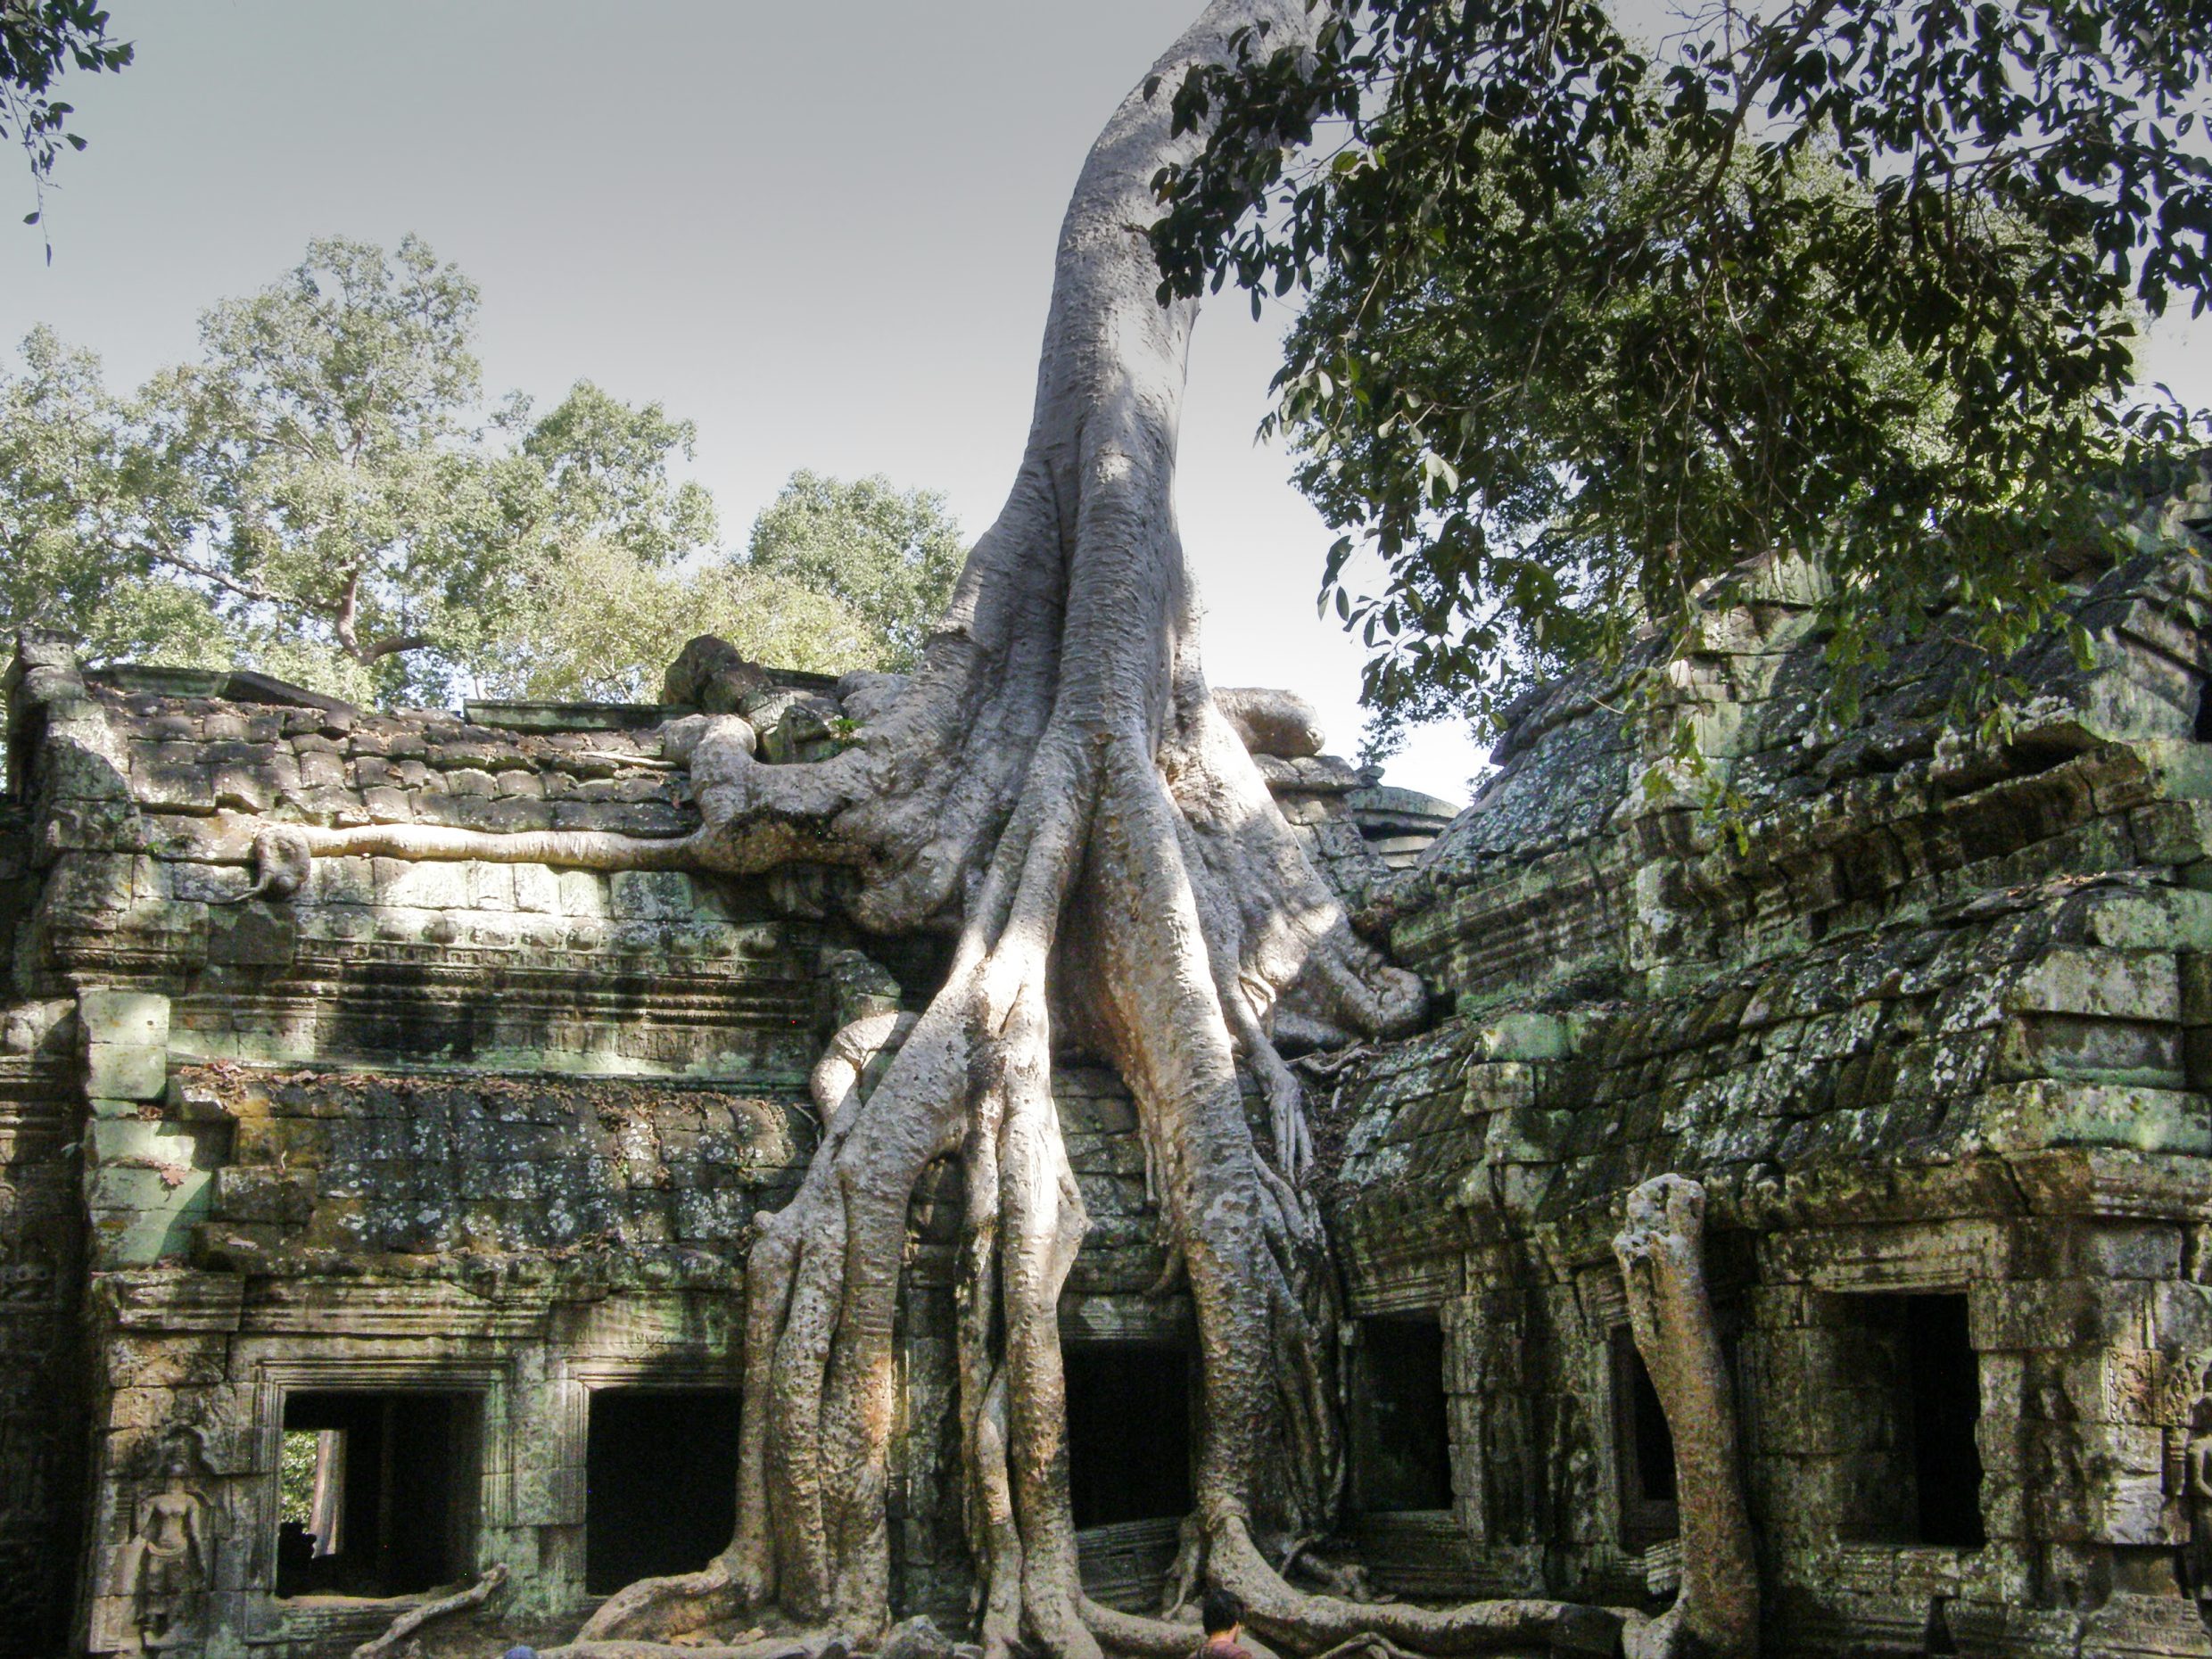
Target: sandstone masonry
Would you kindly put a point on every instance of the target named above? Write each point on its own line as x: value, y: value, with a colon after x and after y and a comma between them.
x: 337, y: 1233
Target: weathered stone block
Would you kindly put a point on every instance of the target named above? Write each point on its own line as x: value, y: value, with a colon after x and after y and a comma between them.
x: 2115, y: 984
x: 253, y: 936
x: 490, y: 886
x: 129, y: 1019
x: 651, y: 896
x: 387, y: 804
x: 88, y: 889
x: 278, y: 1140
x: 149, y: 1142
x: 2172, y: 832
x: 583, y: 893
x: 250, y: 778
x: 2053, y: 1313
x: 717, y: 1215
x: 94, y: 825
x: 537, y: 888
x: 1523, y: 1135
x: 194, y: 1100
x: 208, y: 884
x: 647, y: 818
x: 2103, y: 1051
x: 2021, y: 1117
x: 506, y: 816
x: 426, y: 884
x: 1504, y: 1086
x: 114, y: 1072
x: 344, y: 881
x: 140, y: 1234
x: 1522, y: 1037
x: 164, y: 1190
x: 470, y: 781
x: 169, y: 775
x: 259, y: 1193
x: 165, y: 1361
x: 2122, y: 1251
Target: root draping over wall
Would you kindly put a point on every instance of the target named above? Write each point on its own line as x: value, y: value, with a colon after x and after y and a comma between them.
x: 1057, y: 785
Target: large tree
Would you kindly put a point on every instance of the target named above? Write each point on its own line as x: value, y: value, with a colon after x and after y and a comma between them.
x: 604, y: 622
x: 1592, y: 317
x: 1056, y: 786
x: 891, y: 554
x: 66, y: 461
x: 326, y: 494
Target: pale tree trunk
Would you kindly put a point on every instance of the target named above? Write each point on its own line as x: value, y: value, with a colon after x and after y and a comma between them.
x: 1661, y: 1255
x: 1058, y: 781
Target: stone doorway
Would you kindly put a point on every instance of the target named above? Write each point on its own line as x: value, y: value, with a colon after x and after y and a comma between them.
x: 660, y: 1482
x: 389, y: 1502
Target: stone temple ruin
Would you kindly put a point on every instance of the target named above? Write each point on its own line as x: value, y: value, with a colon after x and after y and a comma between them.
x: 431, y: 1182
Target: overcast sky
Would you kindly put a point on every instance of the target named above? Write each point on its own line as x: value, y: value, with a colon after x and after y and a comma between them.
x: 822, y: 232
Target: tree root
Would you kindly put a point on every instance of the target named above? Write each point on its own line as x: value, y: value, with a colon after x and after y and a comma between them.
x: 1662, y: 1254
x: 1365, y: 1642
x: 809, y: 1645
x: 1301, y: 1621
x: 652, y: 1608
x: 388, y: 1644
x: 1058, y: 781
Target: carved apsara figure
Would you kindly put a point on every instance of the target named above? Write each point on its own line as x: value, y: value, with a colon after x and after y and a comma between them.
x: 166, y: 1567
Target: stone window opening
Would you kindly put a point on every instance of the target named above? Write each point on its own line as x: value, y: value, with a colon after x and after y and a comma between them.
x: 1643, y: 1450
x: 1909, y: 1404
x: 1129, y: 1432
x: 379, y: 1492
x: 660, y: 1482
x: 1401, y: 1428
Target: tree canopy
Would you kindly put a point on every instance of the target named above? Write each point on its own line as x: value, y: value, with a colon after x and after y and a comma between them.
x: 326, y: 493
x: 612, y: 622
x: 891, y: 554
x: 1589, y: 321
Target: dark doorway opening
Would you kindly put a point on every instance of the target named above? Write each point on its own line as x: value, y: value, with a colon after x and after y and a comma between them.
x: 1912, y: 1395
x: 386, y: 1493
x: 1129, y: 1432
x: 660, y: 1482
x: 1401, y: 1446
x: 1946, y: 1380
x: 1643, y: 1450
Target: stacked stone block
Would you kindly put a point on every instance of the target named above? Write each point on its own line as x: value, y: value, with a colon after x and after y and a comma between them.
x: 1926, y: 1019
x: 496, y: 1129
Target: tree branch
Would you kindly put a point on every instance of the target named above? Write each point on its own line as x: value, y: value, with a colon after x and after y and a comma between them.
x: 348, y: 608
x: 392, y: 645
x: 209, y: 572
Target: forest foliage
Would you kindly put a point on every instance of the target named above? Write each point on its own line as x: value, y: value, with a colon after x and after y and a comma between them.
x: 326, y: 494
x: 1597, y: 303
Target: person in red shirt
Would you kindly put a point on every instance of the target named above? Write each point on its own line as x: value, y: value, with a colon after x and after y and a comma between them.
x: 1223, y: 1618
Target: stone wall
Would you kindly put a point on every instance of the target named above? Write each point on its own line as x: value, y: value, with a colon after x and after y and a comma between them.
x: 494, y: 1130
x: 1926, y: 1019
x: 1929, y: 1014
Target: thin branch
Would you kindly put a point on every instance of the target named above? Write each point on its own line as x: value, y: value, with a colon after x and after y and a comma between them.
x: 221, y: 578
